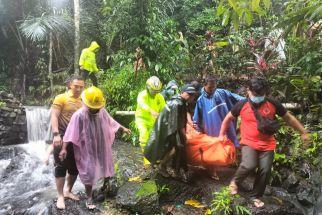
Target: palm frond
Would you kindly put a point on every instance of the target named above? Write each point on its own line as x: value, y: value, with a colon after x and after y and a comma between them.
x: 37, y: 28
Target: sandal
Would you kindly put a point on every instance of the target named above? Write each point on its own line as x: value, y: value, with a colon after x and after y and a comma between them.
x: 258, y: 203
x: 233, y: 188
x: 214, y: 176
x: 89, y: 204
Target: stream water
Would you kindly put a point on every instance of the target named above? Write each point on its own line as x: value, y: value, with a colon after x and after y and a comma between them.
x: 27, y: 185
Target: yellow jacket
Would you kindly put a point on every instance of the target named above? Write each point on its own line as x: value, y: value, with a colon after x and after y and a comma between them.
x: 143, y: 119
x: 87, y: 59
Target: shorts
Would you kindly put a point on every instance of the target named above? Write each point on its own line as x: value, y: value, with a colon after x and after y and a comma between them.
x: 69, y: 164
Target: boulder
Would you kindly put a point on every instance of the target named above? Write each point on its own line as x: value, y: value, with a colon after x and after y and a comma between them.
x: 139, y: 197
x: 12, y: 113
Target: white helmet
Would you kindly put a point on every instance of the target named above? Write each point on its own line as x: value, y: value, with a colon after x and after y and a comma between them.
x: 154, y: 83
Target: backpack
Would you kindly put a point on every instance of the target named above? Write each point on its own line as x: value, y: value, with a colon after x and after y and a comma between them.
x: 264, y: 124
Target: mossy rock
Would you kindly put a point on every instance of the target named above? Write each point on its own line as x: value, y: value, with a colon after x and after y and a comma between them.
x: 139, y: 197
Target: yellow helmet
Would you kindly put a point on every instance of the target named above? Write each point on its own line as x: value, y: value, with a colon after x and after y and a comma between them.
x: 154, y: 83
x: 93, y: 98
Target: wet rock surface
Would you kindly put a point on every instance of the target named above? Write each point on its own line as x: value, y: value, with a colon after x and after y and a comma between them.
x: 139, y: 197
x: 119, y: 196
x: 13, y: 124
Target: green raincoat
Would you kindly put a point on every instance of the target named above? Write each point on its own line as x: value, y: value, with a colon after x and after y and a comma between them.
x: 87, y: 59
x: 143, y: 118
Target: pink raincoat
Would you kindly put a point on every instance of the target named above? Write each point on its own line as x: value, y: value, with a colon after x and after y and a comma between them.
x: 92, y: 136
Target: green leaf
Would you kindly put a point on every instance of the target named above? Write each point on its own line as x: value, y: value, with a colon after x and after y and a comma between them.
x: 235, y: 20
x: 221, y: 43
x: 255, y: 5
x: 220, y: 10
x: 157, y: 67
x: 315, y: 78
x: 248, y: 18
x: 267, y: 4
x: 233, y: 4
x: 226, y: 17
x: 317, y: 12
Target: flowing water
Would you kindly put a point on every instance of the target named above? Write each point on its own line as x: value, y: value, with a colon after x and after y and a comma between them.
x: 27, y: 185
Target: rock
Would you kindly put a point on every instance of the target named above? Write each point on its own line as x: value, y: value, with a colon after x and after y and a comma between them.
x: 10, y: 96
x: 11, y: 114
x: 306, y: 196
x: 291, y: 183
x: 7, y: 109
x: 3, y: 94
x: 139, y: 197
x: 275, y: 205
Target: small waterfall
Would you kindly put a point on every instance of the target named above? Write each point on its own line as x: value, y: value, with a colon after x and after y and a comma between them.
x: 38, y: 119
x: 27, y: 185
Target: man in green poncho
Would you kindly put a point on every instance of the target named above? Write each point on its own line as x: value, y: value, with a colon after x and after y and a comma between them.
x: 87, y: 63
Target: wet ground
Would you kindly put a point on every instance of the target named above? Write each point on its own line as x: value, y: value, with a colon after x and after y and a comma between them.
x: 27, y: 186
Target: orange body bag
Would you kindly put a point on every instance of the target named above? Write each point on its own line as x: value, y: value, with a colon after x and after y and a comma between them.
x: 204, y: 150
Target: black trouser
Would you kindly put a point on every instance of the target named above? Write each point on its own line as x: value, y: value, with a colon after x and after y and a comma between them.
x: 252, y: 159
x: 91, y: 75
x: 180, y: 159
x: 68, y: 164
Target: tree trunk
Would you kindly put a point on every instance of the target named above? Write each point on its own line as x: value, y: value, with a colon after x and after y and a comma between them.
x: 50, y: 63
x: 76, y: 46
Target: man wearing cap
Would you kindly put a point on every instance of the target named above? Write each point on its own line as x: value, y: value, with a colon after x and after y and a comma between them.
x: 168, y: 136
x: 92, y: 131
x: 87, y: 63
x: 149, y: 104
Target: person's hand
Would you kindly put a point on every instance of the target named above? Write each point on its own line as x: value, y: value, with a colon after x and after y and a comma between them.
x: 57, y: 141
x: 154, y: 114
x: 127, y: 131
x: 222, y: 137
x: 305, y: 138
x: 62, y: 154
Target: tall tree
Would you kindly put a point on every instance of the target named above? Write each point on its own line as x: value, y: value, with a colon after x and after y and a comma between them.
x: 76, y: 46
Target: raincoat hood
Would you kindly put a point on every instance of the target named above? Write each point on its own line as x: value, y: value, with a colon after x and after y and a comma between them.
x: 205, y: 94
x: 94, y: 45
x: 171, y: 84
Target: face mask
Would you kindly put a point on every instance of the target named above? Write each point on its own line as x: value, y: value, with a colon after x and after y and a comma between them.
x: 257, y: 99
x: 172, y: 92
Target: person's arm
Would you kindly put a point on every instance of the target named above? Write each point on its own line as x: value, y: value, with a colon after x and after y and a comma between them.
x: 189, y: 119
x: 125, y: 130
x: 197, y: 118
x: 294, y: 123
x: 81, y: 60
x: 55, y: 112
x: 289, y: 119
x: 143, y: 104
x: 234, y: 113
x: 94, y: 64
x: 225, y: 124
x: 63, y: 151
x: 235, y: 97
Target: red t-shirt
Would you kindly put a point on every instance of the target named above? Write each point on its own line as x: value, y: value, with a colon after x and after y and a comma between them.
x: 249, y: 133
